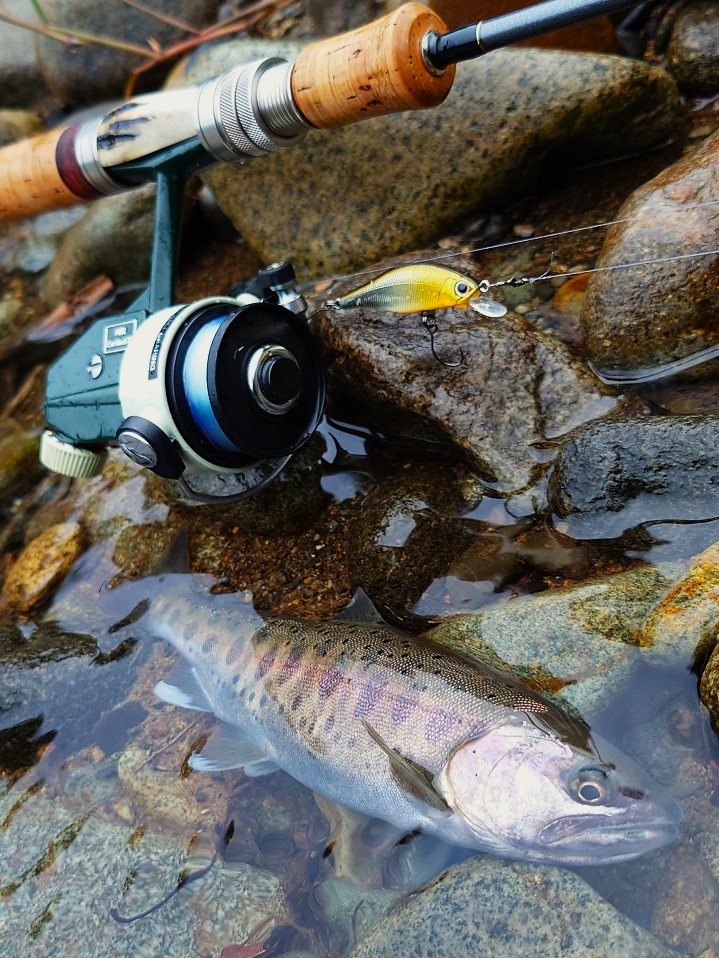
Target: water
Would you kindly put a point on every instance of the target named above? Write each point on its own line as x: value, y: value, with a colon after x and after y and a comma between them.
x: 99, y: 817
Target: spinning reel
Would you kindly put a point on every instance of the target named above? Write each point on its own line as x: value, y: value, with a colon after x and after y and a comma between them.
x: 229, y: 385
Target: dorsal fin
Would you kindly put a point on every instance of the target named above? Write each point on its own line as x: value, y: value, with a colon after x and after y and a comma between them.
x: 411, y: 776
x: 360, y: 609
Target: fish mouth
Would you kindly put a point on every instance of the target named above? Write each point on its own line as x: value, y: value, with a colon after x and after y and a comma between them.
x: 603, y: 836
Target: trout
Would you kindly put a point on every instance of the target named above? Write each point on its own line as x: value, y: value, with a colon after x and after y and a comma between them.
x: 401, y: 729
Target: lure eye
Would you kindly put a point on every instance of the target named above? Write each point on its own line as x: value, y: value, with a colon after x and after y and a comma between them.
x: 591, y: 785
x: 461, y: 288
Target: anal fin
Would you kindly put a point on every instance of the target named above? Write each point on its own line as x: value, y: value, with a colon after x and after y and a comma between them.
x: 228, y: 748
x: 182, y: 688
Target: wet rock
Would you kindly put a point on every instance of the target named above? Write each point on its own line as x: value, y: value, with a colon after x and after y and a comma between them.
x: 597, y: 35
x: 425, y: 547
x: 114, y: 239
x: 408, y: 533
x: 84, y: 72
x: 65, y: 870
x: 19, y: 463
x: 687, y: 915
x: 694, y: 48
x: 41, y: 567
x: 18, y: 124
x: 645, y: 317
x: 615, y: 474
x: 325, y: 204
x: 683, y: 626
x: 576, y: 642
x: 516, y: 389
x: 20, y: 81
x: 486, y: 906
x: 709, y: 685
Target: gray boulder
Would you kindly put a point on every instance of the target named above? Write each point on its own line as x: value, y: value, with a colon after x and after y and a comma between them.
x: 615, y: 474
x: 503, y: 909
x: 86, y: 72
x: 649, y: 316
x: 694, y: 48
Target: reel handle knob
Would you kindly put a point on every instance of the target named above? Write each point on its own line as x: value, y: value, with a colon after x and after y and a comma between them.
x: 148, y: 446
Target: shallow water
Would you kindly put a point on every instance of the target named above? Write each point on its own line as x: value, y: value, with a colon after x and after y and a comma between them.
x: 98, y: 817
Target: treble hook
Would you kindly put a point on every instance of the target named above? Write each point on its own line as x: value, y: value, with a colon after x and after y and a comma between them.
x: 515, y: 281
x: 432, y: 330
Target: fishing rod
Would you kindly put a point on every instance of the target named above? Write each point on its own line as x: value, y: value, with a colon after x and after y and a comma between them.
x: 403, y: 61
x: 230, y: 385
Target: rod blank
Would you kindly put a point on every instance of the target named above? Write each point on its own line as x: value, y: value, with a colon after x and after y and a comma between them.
x: 469, y: 42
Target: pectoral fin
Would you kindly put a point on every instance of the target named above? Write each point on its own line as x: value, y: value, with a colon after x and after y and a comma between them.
x: 412, y: 777
x: 227, y: 748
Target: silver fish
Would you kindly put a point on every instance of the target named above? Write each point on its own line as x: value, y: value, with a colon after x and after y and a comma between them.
x: 402, y: 729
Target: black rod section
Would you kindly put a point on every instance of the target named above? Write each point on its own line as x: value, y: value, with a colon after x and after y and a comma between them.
x: 472, y: 41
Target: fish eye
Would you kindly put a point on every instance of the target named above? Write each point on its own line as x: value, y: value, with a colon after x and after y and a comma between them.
x: 590, y: 786
x: 461, y: 288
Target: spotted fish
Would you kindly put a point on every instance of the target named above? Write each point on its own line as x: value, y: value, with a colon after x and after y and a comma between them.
x: 420, y: 287
x: 404, y: 730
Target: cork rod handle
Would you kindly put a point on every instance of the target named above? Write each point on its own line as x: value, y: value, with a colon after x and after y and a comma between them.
x: 371, y: 71
x: 30, y: 181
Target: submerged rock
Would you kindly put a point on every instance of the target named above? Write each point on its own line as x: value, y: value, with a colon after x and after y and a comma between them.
x: 426, y: 547
x: 504, y: 909
x: 687, y: 914
x: 516, y: 388
x: 648, y: 316
x: 577, y: 642
x: 19, y: 463
x: 65, y: 870
x: 694, y: 48
x: 348, y: 197
x: 87, y: 72
x: 406, y: 536
x: 683, y: 626
x: 41, y: 567
x: 615, y: 474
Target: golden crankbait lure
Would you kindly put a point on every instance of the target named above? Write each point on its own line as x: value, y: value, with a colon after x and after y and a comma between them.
x: 417, y: 288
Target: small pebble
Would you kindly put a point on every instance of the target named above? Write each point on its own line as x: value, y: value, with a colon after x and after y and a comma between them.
x: 41, y: 567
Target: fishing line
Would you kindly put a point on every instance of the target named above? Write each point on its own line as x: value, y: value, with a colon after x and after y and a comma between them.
x: 599, y: 269
x: 519, y: 242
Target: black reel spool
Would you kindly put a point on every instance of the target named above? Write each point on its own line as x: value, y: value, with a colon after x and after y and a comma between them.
x: 245, y: 384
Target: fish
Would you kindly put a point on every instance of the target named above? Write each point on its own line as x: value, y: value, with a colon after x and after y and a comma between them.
x: 419, y: 287
x: 400, y: 728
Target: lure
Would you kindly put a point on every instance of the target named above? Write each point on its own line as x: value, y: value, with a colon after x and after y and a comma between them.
x: 417, y: 288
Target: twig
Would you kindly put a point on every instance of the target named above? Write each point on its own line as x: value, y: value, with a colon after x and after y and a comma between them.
x: 249, y: 17
x: 71, y: 36
x: 164, y: 17
x: 167, y: 744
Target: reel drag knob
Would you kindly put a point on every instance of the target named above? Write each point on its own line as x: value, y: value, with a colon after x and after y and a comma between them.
x: 274, y: 378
